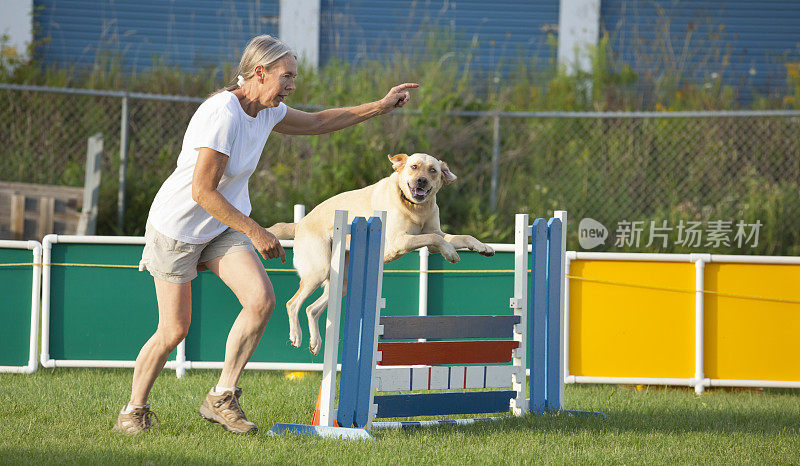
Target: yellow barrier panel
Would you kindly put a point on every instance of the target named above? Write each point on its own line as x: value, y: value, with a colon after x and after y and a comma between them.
x: 624, y: 331
x: 751, y: 339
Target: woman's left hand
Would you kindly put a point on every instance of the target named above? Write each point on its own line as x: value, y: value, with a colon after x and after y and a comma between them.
x: 397, y: 97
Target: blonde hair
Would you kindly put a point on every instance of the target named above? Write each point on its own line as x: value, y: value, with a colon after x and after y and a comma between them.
x: 262, y: 50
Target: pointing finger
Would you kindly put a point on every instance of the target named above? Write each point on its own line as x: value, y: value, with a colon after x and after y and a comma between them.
x: 405, y: 86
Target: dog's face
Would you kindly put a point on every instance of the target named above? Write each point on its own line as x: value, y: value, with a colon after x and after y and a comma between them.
x: 421, y: 176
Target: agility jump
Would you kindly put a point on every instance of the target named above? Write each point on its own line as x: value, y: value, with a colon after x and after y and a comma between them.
x: 477, y: 352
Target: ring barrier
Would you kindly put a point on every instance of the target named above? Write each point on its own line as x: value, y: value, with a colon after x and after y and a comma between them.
x: 676, y: 319
x: 19, y: 331
x: 384, y: 354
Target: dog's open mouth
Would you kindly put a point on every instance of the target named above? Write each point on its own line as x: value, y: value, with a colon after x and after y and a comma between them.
x: 418, y: 194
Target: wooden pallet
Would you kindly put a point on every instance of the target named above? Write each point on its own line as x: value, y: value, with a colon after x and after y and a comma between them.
x: 31, y: 211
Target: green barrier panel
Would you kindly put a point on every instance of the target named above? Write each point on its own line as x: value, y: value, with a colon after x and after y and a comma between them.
x: 469, y: 293
x: 100, y: 313
x: 16, y: 287
x: 214, y: 308
x: 401, y: 290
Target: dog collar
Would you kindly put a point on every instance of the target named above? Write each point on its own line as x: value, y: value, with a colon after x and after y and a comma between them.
x: 404, y: 198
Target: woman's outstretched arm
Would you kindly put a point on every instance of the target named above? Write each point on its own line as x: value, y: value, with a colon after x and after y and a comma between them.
x: 334, y: 119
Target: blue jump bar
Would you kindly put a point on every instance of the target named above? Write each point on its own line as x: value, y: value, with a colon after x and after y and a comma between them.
x: 432, y: 404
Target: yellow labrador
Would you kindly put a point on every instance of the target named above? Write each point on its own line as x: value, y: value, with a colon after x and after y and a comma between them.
x: 412, y: 221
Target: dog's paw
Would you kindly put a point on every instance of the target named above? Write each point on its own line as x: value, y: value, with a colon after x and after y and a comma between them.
x: 315, y: 344
x: 295, y: 336
x: 449, y: 253
x: 452, y: 258
x: 485, y: 250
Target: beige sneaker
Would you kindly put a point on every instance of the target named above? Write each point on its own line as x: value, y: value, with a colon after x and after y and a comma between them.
x: 225, y: 410
x: 138, y: 420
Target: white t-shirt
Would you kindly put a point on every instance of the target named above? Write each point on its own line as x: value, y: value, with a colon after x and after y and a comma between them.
x: 220, y: 123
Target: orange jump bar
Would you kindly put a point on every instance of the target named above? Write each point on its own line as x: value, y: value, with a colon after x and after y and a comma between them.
x: 446, y: 352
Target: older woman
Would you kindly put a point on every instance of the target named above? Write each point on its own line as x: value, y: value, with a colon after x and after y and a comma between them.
x: 200, y: 220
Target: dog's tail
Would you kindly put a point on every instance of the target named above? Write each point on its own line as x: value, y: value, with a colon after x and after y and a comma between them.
x: 283, y: 230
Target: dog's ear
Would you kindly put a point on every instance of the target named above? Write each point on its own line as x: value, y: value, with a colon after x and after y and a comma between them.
x: 398, y: 161
x: 447, y: 176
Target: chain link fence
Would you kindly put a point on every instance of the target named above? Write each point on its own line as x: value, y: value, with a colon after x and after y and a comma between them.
x: 723, y: 182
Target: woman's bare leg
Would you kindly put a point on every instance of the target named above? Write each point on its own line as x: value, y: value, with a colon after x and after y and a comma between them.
x: 174, y: 317
x: 243, y: 273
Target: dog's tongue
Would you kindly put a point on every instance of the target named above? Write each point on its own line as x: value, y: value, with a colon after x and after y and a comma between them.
x: 418, y: 192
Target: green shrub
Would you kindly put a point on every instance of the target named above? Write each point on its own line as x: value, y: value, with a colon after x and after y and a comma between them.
x: 610, y: 169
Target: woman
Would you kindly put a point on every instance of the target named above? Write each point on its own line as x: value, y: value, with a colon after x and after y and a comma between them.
x: 199, y: 220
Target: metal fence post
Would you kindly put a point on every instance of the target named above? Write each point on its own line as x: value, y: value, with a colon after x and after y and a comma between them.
x: 495, y: 162
x: 123, y: 163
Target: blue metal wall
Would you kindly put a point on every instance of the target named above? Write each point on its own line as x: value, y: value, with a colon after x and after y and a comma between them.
x: 184, y: 33
x: 496, y: 33
x: 745, y: 42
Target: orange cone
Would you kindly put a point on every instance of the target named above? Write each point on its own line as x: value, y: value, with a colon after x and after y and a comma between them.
x: 315, y: 417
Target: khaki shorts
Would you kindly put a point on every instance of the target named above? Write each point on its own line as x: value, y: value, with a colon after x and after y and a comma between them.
x: 179, y: 262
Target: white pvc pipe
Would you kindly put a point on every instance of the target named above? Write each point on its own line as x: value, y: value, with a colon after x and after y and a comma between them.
x: 180, y: 359
x: 630, y: 380
x: 15, y: 244
x: 15, y: 369
x: 657, y: 257
x: 686, y: 382
x: 299, y: 212
x: 503, y: 247
x: 567, y: 265
x: 424, y: 254
x: 47, y: 245
x: 101, y: 363
x: 631, y: 256
x: 36, y: 295
x: 81, y: 239
x: 699, y: 309
x: 754, y: 383
x: 754, y: 259
x: 272, y: 366
x: 176, y: 365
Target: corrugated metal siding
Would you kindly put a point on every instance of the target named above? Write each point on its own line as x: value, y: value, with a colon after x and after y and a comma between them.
x: 746, y: 42
x: 498, y: 32
x: 184, y: 33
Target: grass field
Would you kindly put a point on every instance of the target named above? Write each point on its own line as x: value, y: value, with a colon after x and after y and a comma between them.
x: 65, y: 416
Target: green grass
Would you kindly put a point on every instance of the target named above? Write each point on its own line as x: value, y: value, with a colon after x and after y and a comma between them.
x: 65, y: 416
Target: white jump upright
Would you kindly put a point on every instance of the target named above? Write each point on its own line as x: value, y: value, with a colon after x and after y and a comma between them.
x: 340, y: 231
